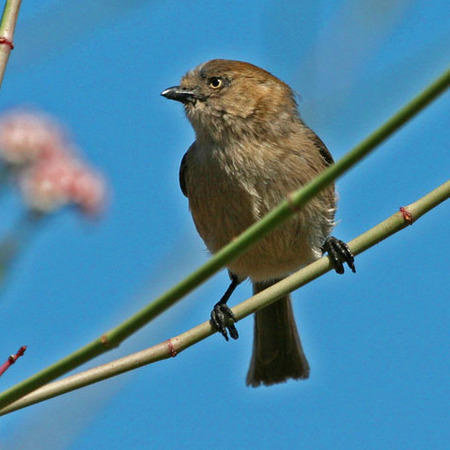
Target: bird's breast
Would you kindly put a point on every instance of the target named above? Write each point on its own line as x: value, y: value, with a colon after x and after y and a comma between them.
x: 222, y: 196
x: 229, y: 191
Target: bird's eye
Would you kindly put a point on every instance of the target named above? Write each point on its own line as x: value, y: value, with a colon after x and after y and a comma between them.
x: 215, y: 82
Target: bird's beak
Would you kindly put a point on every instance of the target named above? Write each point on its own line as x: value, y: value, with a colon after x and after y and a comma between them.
x: 183, y: 95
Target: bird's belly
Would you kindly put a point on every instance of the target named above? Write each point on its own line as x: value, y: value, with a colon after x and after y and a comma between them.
x: 223, y: 211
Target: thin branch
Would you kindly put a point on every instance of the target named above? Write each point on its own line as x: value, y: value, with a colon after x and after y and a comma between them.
x: 257, y: 231
x: 12, y: 359
x: 172, y: 347
x: 7, y: 26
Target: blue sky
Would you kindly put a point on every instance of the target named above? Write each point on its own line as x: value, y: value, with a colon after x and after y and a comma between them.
x: 377, y: 341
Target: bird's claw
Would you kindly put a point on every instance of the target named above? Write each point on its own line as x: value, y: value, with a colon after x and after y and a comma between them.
x: 222, y: 319
x: 338, y: 252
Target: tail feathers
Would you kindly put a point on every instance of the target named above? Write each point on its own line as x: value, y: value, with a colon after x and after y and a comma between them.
x: 277, y: 350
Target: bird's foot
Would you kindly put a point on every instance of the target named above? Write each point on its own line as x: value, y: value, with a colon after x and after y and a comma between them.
x: 339, y: 253
x: 223, y: 319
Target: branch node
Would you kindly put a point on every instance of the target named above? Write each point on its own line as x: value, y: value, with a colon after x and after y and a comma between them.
x: 407, y: 216
x: 13, y: 358
x: 292, y: 206
x: 172, y: 349
x: 105, y: 341
x: 7, y: 42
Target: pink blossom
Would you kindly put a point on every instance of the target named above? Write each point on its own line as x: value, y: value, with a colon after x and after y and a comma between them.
x: 53, y: 183
x: 47, y: 165
x: 26, y: 136
x: 88, y: 190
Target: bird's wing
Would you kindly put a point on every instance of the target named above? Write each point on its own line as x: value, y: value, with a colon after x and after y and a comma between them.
x: 182, y: 175
x: 324, y: 152
x: 183, y: 170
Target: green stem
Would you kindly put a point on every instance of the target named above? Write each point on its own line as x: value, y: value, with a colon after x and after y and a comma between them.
x: 179, y: 343
x: 268, y: 223
x: 16, y: 239
x: 7, y: 26
x: 4, y: 173
x: 4, y: 179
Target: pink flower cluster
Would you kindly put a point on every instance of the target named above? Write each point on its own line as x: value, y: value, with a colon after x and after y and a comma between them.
x: 50, y: 171
x: 27, y: 137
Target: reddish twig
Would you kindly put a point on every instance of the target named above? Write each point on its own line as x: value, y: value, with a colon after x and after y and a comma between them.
x: 12, y: 359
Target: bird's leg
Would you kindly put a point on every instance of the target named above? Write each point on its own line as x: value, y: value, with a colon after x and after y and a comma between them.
x: 338, y: 252
x: 222, y: 317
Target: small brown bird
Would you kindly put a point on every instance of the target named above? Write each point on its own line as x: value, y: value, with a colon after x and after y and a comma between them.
x: 251, y: 150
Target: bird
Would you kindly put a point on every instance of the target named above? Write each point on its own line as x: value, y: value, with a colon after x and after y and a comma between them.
x: 251, y: 150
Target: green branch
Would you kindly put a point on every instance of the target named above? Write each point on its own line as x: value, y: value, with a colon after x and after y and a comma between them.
x: 170, y: 348
x: 7, y: 26
x: 260, y: 229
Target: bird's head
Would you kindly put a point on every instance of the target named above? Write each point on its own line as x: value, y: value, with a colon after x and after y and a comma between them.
x: 226, y: 99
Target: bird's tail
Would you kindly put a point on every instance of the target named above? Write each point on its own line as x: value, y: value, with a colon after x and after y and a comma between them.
x: 277, y: 350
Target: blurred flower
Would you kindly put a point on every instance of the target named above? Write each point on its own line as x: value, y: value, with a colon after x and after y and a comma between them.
x: 47, y: 165
x: 26, y: 136
x: 56, y: 182
x: 37, y: 154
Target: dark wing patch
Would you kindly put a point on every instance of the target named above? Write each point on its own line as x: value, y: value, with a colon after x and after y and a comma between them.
x: 324, y: 152
x: 182, y: 175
